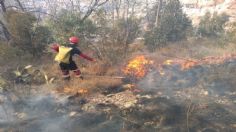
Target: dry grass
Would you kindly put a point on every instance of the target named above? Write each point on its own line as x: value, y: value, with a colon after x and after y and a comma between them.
x: 94, y: 80
x: 89, y: 85
x: 195, y: 49
x: 185, y: 49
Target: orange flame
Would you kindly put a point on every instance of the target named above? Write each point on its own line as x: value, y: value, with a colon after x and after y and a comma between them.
x: 75, y: 90
x: 137, y: 66
x: 82, y: 91
x: 168, y: 62
x: 188, y: 64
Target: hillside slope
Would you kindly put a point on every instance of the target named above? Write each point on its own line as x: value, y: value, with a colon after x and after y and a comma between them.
x: 197, y: 8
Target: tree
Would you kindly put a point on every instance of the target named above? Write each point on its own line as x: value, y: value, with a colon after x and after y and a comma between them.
x: 69, y: 24
x: 172, y: 25
x: 25, y: 35
x: 158, y: 12
x: 92, y: 7
x: 212, y: 25
x: 20, y: 5
x: 4, y: 28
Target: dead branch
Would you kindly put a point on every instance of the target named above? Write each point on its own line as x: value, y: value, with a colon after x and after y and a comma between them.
x: 92, y: 8
x: 20, y: 5
x: 2, y: 3
x: 5, y: 31
x: 191, y: 108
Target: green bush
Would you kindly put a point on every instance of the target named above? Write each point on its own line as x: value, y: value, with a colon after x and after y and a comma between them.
x: 114, y: 36
x: 26, y: 34
x: 126, y: 28
x: 7, y: 52
x: 231, y: 32
x: 212, y: 25
x: 40, y: 39
x: 69, y: 24
x: 172, y: 26
x: 11, y: 56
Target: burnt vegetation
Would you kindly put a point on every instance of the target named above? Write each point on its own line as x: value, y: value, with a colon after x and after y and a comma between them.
x: 154, y: 71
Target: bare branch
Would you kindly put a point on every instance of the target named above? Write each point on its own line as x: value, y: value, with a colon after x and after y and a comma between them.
x: 5, y: 31
x: 158, y: 12
x: 92, y: 8
x: 20, y: 5
x: 45, y: 13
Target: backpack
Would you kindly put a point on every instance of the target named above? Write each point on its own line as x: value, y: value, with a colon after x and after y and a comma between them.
x: 63, y: 55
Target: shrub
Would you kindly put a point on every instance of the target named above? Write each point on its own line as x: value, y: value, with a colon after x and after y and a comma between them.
x: 212, y: 25
x: 69, y: 24
x: 172, y: 26
x: 8, y: 53
x: 231, y: 32
x: 25, y: 34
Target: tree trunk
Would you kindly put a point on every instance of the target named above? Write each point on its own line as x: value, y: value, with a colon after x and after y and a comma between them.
x: 158, y: 15
x: 118, y: 3
x: 4, y: 28
x: 93, y: 7
x: 147, y: 11
x: 5, y: 31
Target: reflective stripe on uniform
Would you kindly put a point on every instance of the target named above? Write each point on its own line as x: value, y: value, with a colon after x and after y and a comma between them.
x: 77, y: 72
x: 68, y: 75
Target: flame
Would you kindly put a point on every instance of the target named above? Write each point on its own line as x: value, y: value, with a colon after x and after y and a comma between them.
x: 188, y: 64
x: 168, y: 62
x: 72, y: 90
x: 137, y: 66
x: 82, y: 91
x: 129, y: 86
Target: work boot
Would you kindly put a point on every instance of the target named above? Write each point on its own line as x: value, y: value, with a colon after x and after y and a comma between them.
x: 67, y: 78
x: 81, y: 77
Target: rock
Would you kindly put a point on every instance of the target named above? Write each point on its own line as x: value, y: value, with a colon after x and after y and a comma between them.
x: 110, y: 95
x: 3, y: 83
x: 21, y: 115
x: 2, y: 99
x: 206, y: 93
x: 1, y: 89
x: 122, y: 100
x: 149, y: 123
x: 128, y: 86
x: 72, y: 114
x: 28, y: 67
x: 233, y: 125
x: 61, y: 111
x: 89, y: 107
x: 146, y: 96
x: 129, y: 104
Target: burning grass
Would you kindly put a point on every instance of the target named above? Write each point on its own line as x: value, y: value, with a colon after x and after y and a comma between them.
x: 137, y: 67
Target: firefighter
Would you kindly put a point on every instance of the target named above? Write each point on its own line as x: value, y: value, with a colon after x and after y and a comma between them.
x: 64, y: 57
